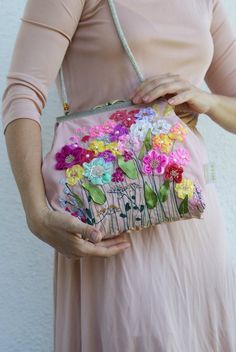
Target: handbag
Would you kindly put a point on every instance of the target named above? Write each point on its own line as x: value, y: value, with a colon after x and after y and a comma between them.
x: 122, y: 167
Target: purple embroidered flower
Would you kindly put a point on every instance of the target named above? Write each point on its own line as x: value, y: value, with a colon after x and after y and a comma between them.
x: 118, y: 175
x: 67, y: 157
x: 154, y: 163
x: 147, y: 114
x: 196, y: 203
x: 107, y: 156
x: 127, y: 155
x: 118, y: 131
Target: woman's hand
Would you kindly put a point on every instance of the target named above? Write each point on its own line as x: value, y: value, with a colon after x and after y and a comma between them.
x: 178, y: 91
x: 64, y: 233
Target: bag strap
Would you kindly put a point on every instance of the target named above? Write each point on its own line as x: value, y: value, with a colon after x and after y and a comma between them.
x: 125, y: 45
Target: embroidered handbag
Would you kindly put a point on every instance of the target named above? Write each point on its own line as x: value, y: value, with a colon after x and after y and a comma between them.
x: 121, y: 166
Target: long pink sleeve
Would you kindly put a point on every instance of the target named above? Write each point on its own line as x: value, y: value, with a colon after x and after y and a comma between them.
x: 221, y: 75
x: 46, y: 30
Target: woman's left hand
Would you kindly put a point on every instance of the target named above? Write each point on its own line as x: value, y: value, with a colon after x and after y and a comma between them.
x: 179, y: 92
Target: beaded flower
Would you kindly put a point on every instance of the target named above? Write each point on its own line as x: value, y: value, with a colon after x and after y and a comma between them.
x: 98, y: 171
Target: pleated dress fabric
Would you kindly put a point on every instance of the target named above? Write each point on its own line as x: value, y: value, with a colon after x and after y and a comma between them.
x: 174, y: 289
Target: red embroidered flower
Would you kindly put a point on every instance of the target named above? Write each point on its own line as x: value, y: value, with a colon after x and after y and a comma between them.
x: 118, y: 175
x: 86, y: 156
x: 174, y: 172
x: 128, y: 120
x: 118, y: 115
x: 85, y: 139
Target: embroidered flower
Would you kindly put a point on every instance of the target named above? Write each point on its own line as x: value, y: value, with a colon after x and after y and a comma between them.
x: 162, y: 142
x: 180, y: 156
x: 97, y: 146
x: 146, y: 114
x: 74, y: 174
x: 185, y: 188
x: 178, y: 132
x: 128, y: 120
x: 196, y: 203
x: 113, y: 147
x: 140, y: 129
x: 129, y: 142
x: 107, y: 156
x: 118, y: 115
x: 160, y: 126
x: 98, y: 171
x: 67, y: 157
x: 74, y: 139
x: 118, y: 131
x: 108, y: 126
x: 118, y: 175
x: 127, y: 155
x: 96, y: 131
x: 174, y: 172
x: 86, y: 156
x: 154, y: 163
x: 85, y: 139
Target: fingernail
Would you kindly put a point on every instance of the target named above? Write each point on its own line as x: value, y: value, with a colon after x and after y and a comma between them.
x: 146, y: 98
x: 125, y: 245
x: 137, y: 100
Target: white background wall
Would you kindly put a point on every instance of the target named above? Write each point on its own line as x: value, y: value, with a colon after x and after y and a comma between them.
x: 26, y: 264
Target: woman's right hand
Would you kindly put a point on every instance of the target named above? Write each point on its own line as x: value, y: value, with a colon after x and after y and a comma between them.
x: 71, y: 237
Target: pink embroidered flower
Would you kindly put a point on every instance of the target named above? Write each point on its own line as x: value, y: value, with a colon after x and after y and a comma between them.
x: 178, y: 132
x: 173, y: 172
x: 118, y: 175
x: 107, y: 156
x: 108, y: 126
x: 180, y: 156
x: 117, y: 132
x: 96, y: 131
x: 128, y: 142
x: 118, y: 116
x: 74, y: 139
x: 67, y: 157
x: 154, y: 163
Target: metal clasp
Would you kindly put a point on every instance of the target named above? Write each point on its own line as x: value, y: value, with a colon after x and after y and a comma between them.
x: 112, y: 102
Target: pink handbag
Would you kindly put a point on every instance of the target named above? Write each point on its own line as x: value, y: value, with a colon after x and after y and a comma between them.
x: 121, y: 167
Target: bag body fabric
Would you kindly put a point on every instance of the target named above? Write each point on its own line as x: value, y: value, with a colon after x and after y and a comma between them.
x: 125, y: 167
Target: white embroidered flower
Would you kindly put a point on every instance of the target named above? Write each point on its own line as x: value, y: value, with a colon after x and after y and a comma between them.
x: 147, y: 114
x: 140, y: 129
x: 161, y: 126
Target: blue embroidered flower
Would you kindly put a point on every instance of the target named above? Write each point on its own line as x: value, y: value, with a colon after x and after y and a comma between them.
x: 98, y: 171
x: 140, y: 129
x: 146, y: 114
x: 160, y: 126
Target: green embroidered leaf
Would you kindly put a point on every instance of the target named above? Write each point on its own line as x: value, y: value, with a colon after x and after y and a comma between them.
x: 128, y: 167
x: 142, y: 152
x: 138, y: 219
x: 168, y: 110
x: 135, y: 207
x: 164, y: 191
x: 183, y: 207
x: 95, y: 192
x: 150, y: 196
x: 127, y: 207
x: 88, y: 221
x: 147, y: 140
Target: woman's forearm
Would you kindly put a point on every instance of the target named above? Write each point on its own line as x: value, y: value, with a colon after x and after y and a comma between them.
x: 24, y: 145
x: 223, y: 112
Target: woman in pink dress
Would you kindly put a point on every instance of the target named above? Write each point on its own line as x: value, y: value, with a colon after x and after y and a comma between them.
x: 170, y: 288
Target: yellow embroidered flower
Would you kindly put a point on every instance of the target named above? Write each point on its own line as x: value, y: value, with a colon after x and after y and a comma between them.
x: 97, y: 146
x: 185, y: 188
x: 162, y: 142
x: 113, y: 147
x: 74, y: 174
x: 178, y: 132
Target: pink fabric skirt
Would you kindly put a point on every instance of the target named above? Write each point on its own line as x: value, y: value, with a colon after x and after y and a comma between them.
x: 173, y: 290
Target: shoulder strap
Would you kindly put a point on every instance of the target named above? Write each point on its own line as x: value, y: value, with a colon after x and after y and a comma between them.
x: 125, y: 45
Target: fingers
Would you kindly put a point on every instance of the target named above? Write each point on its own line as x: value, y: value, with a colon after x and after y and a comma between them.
x: 77, y: 227
x: 159, y: 87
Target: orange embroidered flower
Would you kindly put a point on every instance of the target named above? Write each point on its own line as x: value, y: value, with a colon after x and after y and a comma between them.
x: 162, y: 142
x: 178, y: 132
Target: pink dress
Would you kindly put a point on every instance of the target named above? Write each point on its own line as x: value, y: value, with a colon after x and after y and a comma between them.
x: 174, y: 290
